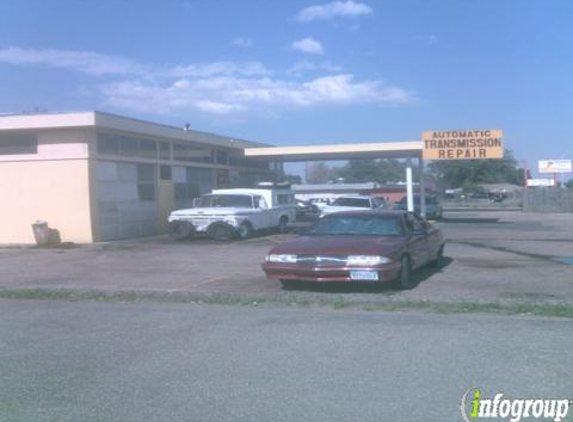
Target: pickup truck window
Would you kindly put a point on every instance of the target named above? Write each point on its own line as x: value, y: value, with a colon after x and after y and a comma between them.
x: 285, y: 199
x: 238, y: 201
x: 260, y: 202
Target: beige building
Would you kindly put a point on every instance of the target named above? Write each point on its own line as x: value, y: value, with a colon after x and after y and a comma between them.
x: 96, y: 176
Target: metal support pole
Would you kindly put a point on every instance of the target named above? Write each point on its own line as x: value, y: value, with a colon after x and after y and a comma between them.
x: 422, y: 187
x: 409, y: 189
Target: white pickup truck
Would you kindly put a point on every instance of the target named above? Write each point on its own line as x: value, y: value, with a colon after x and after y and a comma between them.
x: 227, y: 213
x: 352, y: 203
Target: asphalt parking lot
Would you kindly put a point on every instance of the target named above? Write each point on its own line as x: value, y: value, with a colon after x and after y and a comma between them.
x: 490, y: 256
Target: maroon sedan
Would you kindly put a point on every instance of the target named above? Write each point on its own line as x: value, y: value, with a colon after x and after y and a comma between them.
x: 358, y: 246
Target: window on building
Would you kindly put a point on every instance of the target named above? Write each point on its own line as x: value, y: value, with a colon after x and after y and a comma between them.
x: 128, y: 146
x: 200, y: 175
x: 148, y: 149
x: 107, y: 143
x: 184, y: 191
x: 165, y: 172
x: 20, y: 143
x: 221, y: 157
x: 188, y: 153
x: 146, y: 182
x: 164, y: 151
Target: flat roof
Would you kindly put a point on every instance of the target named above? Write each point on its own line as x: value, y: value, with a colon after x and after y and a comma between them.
x: 338, y: 151
x: 109, y: 121
x: 98, y: 119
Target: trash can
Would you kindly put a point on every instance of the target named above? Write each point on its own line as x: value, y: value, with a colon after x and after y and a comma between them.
x: 41, y: 233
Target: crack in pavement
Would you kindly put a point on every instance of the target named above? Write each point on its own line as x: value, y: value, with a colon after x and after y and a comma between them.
x: 551, y: 258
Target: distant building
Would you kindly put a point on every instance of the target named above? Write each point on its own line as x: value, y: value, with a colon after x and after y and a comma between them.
x: 392, y: 192
x: 507, y: 188
x: 331, y: 191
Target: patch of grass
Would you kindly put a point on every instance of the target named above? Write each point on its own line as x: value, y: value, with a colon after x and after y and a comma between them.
x: 538, y: 309
x: 341, y: 305
x: 563, y: 310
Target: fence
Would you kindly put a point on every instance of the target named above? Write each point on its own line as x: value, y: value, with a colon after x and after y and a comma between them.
x: 548, y: 200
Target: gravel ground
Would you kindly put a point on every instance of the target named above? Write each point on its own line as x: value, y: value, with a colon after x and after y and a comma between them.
x: 490, y: 257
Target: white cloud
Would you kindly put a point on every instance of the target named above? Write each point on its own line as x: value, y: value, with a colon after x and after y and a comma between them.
x: 222, y: 88
x: 232, y: 95
x: 242, y: 42
x: 303, y: 66
x: 82, y: 61
x: 100, y: 64
x: 308, y: 46
x: 427, y: 39
x: 333, y: 10
x: 203, y: 70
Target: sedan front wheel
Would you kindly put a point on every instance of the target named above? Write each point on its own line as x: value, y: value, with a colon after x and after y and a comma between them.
x: 405, y: 279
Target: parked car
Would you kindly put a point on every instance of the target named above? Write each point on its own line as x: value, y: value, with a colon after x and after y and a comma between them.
x: 358, y: 246
x: 304, y: 208
x: 497, y: 196
x: 226, y: 213
x: 434, y: 210
x: 353, y: 202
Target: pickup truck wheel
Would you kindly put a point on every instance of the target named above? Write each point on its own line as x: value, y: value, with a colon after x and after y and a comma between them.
x: 180, y: 230
x: 244, y: 231
x: 282, y: 227
x: 404, y: 280
x: 220, y: 231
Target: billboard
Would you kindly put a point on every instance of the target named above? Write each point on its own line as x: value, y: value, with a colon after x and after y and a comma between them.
x: 555, y: 166
x: 540, y: 182
x: 462, y: 144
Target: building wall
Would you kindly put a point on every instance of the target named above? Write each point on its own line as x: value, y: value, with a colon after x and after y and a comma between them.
x: 53, y: 191
x: 51, y: 185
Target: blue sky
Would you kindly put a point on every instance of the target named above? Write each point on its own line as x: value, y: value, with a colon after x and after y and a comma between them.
x: 299, y: 72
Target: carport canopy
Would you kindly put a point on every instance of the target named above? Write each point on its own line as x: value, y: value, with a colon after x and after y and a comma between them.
x: 408, y: 150
x: 338, y: 151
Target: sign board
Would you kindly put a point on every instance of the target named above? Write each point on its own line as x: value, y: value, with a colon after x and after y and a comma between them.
x: 555, y: 166
x: 462, y: 144
x: 540, y: 182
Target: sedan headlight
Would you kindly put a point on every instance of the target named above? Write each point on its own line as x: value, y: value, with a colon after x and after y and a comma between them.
x: 366, y: 260
x: 283, y: 259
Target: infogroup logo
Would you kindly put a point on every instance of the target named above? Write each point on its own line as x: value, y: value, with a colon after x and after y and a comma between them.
x: 474, y: 407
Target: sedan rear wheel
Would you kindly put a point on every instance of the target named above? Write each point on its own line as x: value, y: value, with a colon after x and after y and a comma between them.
x: 439, y: 258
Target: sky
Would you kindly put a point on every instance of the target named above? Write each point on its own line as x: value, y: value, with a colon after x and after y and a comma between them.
x: 290, y: 72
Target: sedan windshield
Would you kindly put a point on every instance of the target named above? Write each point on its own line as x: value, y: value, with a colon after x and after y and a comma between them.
x: 352, y: 202
x: 239, y: 201
x: 357, y: 225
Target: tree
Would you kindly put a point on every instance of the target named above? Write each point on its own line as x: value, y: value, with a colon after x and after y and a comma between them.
x: 317, y: 173
x: 569, y: 184
x: 371, y: 170
x: 457, y: 173
x: 293, y: 179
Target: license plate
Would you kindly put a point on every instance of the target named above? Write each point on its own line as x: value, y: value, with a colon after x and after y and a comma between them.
x: 364, y: 275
